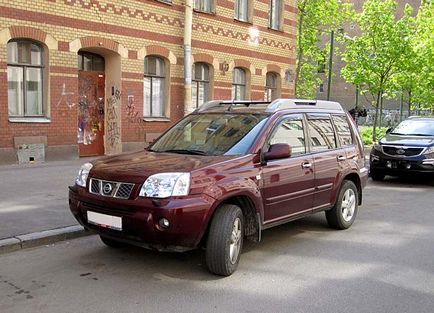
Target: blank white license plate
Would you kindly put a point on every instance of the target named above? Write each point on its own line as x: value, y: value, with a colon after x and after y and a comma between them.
x: 104, y: 220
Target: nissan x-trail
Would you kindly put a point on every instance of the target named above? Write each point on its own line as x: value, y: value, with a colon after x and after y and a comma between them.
x: 225, y: 173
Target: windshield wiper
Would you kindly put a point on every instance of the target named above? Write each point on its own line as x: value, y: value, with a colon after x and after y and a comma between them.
x: 186, y: 151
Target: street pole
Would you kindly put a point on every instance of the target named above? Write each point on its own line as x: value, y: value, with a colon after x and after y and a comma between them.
x: 329, y: 82
x: 187, y: 55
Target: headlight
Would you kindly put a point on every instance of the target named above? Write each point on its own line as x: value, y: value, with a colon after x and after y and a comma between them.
x: 429, y: 150
x: 377, y: 147
x: 165, y: 185
x: 82, y: 174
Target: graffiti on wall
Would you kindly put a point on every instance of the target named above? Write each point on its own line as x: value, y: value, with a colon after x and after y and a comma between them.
x: 65, y: 97
x: 113, y: 127
x: 90, y: 111
x: 133, y: 116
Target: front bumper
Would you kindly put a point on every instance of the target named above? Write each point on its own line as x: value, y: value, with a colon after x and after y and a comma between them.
x: 387, y: 164
x: 140, y: 219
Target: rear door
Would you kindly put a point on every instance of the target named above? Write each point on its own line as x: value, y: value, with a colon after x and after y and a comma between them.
x: 288, y: 184
x: 328, y: 158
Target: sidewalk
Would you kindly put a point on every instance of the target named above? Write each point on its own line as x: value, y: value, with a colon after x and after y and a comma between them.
x: 34, y: 204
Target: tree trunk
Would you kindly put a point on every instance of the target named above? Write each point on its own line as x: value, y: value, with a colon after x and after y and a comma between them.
x: 409, y: 103
x: 377, y: 105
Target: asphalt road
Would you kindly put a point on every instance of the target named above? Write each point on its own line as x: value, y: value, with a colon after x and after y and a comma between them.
x: 384, y: 263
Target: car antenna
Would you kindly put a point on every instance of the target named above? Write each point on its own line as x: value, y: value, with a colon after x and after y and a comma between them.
x: 230, y: 105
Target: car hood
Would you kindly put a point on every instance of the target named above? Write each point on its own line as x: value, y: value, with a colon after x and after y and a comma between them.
x: 137, y: 166
x: 402, y: 140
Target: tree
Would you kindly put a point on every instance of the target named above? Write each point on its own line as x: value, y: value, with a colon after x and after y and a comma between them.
x: 374, y: 58
x: 315, y: 18
x: 416, y: 76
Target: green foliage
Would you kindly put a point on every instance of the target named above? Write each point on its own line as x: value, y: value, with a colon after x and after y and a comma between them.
x: 315, y: 19
x: 367, y: 134
x: 375, y: 58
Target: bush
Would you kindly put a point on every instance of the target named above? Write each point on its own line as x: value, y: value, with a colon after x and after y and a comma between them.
x: 366, y: 133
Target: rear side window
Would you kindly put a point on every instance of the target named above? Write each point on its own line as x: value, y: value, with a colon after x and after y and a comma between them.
x: 321, y: 133
x: 343, y: 130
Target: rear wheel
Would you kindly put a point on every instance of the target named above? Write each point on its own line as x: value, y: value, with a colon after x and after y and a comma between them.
x: 343, y: 214
x: 225, y: 240
x: 110, y: 242
x: 376, y: 175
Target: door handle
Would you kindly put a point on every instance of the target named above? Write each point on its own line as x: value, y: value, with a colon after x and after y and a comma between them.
x: 306, y: 165
x: 341, y: 158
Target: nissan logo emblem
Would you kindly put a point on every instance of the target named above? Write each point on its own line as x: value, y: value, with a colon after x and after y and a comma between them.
x: 107, y: 189
x: 400, y: 151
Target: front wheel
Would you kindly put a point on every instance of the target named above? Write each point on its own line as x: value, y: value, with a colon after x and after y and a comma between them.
x: 343, y: 214
x: 225, y: 240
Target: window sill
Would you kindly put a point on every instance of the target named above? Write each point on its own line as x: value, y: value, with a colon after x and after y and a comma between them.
x: 243, y: 21
x: 204, y: 12
x: 156, y: 119
x: 279, y: 30
x: 168, y: 2
x: 29, y: 120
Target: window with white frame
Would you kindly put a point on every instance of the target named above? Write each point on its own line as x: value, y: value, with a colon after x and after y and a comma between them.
x: 25, y: 72
x: 242, y: 10
x: 239, y: 84
x: 154, y: 87
x: 201, y: 82
x: 204, y: 5
x: 275, y: 14
x: 271, y: 86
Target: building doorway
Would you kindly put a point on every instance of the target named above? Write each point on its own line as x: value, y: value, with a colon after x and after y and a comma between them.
x: 91, y: 103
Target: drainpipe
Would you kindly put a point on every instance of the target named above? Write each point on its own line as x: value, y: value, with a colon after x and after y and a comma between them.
x: 187, y: 55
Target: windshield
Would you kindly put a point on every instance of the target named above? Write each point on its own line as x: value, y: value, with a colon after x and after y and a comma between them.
x: 415, y: 128
x: 212, y: 134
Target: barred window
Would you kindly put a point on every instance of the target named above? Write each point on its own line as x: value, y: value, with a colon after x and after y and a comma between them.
x: 271, y: 86
x: 201, y: 82
x: 25, y: 72
x: 154, y: 87
x: 239, y: 84
x: 242, y: 10
x: 204, y: 5
x: 275, y: 21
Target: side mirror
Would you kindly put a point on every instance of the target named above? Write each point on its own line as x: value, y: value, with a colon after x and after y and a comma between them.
x: 278, y: 151
x: 389, y: 130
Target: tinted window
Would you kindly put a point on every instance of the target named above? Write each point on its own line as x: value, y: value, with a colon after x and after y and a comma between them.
x: 343, y: 130
x: 322, y: 136
x: 290, y: 131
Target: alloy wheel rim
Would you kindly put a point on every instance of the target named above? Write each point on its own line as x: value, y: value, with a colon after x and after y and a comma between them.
x: 348, y: 205
x: 235, y: 243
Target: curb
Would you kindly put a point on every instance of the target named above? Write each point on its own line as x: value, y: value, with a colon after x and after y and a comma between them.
x: 42, y: 238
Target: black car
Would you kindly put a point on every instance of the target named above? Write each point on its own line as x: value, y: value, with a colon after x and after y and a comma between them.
x: 406, y: 149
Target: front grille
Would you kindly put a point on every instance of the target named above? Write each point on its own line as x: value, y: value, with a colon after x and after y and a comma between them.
x: 110, y: 189
x: 401, y: 151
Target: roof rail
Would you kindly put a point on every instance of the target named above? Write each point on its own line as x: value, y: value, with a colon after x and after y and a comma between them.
x: 282, y: 104
x: 276, y: 105
x: 219, y: 103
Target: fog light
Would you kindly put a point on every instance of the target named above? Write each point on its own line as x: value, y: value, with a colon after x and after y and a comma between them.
x: 164, y: 223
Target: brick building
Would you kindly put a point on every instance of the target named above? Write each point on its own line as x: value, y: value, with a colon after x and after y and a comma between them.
x: 94, y: 77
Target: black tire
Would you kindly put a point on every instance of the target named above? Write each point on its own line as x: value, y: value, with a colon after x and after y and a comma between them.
x: 220, y: 237
x: 110, y: 242
x: 376, y: 175
x: 335, y: 216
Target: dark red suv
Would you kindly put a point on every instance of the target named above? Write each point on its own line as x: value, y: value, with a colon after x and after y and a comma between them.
x: 224, y: 173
